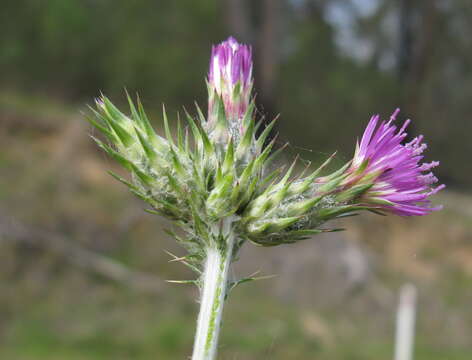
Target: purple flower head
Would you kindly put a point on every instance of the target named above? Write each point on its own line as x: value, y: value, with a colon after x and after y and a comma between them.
x: 401, y: 184
x: 230, y: 76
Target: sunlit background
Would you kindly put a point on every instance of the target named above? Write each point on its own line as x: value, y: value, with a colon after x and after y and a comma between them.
x: 83, y: 267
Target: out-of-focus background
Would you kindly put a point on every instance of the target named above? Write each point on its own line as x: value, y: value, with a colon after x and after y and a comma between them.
x: 83, y: 268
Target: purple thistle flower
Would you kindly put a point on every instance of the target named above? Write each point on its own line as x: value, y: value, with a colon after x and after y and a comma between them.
x: 401, y: 184
x: 230, y: 77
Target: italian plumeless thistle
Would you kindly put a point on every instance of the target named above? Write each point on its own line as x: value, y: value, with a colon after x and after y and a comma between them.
x: 213, y: 180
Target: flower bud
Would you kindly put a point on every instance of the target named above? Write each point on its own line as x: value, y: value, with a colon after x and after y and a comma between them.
x: 230, y: 78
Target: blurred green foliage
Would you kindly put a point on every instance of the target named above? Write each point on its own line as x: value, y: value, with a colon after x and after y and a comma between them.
x: 76, y: 48
x: 73, y: 49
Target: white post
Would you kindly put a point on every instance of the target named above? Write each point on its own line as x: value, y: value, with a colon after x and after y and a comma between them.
x: 405, y: 332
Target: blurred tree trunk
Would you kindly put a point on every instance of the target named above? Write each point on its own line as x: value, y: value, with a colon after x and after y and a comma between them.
x: 406, y: 30
x: 237, y: 18
x: 417, y: 23
x: 267, y: 56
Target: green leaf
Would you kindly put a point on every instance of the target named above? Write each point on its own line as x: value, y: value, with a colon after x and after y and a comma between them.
x: 353, y: 192
x: 145, y: 121
x: 180, y: 136
x: 248, y: 117
x: 260, y: 161
x: 246, y: 141
x: 220, y: 115
x: 147, y: 147
x: 201, y: 117
x: 178, y: 166
x: 112, y: 110
x: 302, y: 207
x: 122, y: 180
x: 228, y: 163
x: 194, y: 282
x: 174, y: 184
x: 276, y: 153
x: 200, y: 135
x: 101, y: 128
x: 329, y: 213
x: 134, y: 113
x: 117, y: 156
x: 166, y: 126
x: 195, y: 129
x: 145, y: 178
x: 154, y: 212
x: 262, y: 138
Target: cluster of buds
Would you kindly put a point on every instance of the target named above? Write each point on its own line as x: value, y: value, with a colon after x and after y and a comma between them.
x: 220, y: 169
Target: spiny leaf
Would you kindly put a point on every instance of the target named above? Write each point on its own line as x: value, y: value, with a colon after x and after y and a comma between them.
x: 174, y: 183
x: 248, y: 115
x: 302, y: 207
x: 322, y: 166
x: 277, y: 152
x: 233, y: 284
x: 170, y: 207
x: 145, y: 178
x: 180, y: 136
x: 143, y: 197
x: 201, y: 117
x: 166, y: 126
x: 220, y: 115
x: 228, y: 162
x: 117, y: 156
x: 270, y: 178
x: 331, y: 186
x: 261, y: 159
x: 147, y: 147
x: 246, y: 141
x: 338, y: 172
x: 178, y: 166
x: 195, y: 129
x: 200, y: 135
x: 101, y: 128
x: 144, y: 120
x: 199, y: 226
x: 184, y: 261
x: 377, y: 212
x: 134, y: 113
x: 154, y: 212
x: 262, y: 138
x: 194, y: 282
x: 338, y: 210
x: 112, y: 110
x: 353, y: 192
x: 123, y: 135
x: 123, y: 181
x: 307, y: 232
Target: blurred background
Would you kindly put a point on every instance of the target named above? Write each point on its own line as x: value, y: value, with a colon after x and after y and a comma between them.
x: 83, y: 267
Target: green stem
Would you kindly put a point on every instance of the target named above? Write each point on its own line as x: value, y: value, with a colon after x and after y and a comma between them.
x: 214, y: 285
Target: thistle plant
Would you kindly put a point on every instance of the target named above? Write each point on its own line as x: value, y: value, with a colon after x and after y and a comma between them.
x: 213, y: 180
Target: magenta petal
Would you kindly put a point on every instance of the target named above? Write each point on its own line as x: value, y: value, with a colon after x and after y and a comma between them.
x: 400, y: 178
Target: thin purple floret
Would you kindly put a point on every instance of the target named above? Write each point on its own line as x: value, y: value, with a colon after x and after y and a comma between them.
x: 402, y: 184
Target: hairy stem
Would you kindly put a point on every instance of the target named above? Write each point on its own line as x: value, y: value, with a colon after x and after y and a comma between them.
x: 214, y: 285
